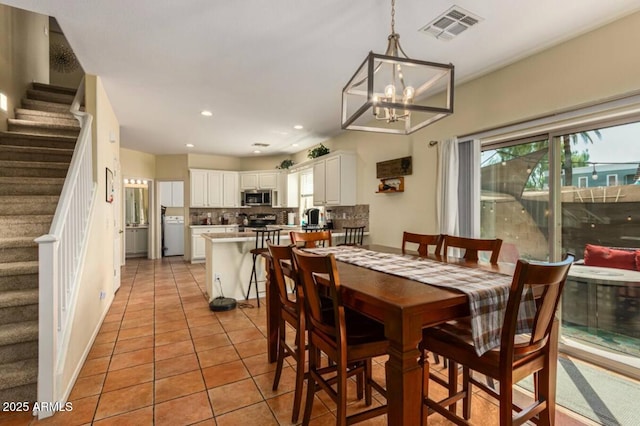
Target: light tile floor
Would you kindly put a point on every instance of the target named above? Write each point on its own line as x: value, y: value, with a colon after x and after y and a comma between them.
x: 162, y: 357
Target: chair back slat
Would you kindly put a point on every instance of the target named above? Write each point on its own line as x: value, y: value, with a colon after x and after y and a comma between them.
x: 551, y: 277
x: 353, y: 235
x: 278, y: 255
x: 308, y: 266
x: 423, y: 241
x: 311, y: 239
x: 266, y: 234
x: 472, y: 246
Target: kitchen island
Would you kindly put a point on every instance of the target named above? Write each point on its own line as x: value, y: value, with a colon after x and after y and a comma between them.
x: 228, y: 257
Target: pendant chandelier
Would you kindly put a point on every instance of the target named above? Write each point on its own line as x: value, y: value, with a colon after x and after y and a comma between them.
x: 392, y: 93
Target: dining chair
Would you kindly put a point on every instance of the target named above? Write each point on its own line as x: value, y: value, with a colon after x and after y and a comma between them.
x: 518, y: 356
x: 472, y: 246
x: 348, y: 338
x: 423, y: 241
x: 311, y: 239
x: 353, y: 236
x: 292, y: 313
x: 262, y: 236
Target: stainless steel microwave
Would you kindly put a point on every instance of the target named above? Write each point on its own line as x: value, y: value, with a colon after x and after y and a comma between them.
x: 260, y: 197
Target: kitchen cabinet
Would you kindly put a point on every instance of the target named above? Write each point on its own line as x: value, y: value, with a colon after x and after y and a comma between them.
x: 334, y: 180
x: 198, y: 242
x: 258, y: 180
x: 136, y: 242
x: 172, y: 194
x: 214, y: 188
x: 293, y: 189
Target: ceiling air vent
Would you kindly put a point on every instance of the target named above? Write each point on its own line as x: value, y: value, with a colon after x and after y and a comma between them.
x: 451, y: 23
x: 262, y: 145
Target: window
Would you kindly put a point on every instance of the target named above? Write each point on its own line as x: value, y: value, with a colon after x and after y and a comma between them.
x: 612, y: 180
x: 583, y: 182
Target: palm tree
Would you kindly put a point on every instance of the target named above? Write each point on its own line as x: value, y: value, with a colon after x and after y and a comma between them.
x: 572, y: 139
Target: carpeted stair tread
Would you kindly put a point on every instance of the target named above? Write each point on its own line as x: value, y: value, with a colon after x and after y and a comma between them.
x: 17, y: 352
x: 28, y: 204
x: 18, y: 373
x: 18, y: 332
x: 33, y: 164
x: 39, y: 128
x: 18, y: 297
x: 53, y: 88
x: 12, y: 185
x: 47, y: 96
x: 46, y: 106
x: 34, y: 140
x: 18, y: 268
x: 29, y: 153
x: 18, y: 220
x: 15, y: 242
x: 14, y: 168
x: 35, y: 116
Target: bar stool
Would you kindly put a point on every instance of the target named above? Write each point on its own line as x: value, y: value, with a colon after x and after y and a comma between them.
x: 353, y: 236
x: 262, y: 236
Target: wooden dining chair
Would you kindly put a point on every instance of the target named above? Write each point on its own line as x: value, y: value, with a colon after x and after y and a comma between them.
x: 518, y: 356
x: 311, y: 239
x: 291, y: 312
x: 472, y: 246
x: 353, y: 236
x: 348, y: 338
x: 262, y: 236
x: 423, y: 241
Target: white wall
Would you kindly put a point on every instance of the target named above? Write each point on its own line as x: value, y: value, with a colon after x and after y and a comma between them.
x: 24, y: 55
x: 98, y: 270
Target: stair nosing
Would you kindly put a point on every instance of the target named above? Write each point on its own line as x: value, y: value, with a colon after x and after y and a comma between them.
x: 42, y: 125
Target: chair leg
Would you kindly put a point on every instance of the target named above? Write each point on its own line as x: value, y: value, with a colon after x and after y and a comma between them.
x: 311, y: 385
x: 254, y: 278
x: 281, y: 355
x: 466, y: 401
x: 506, y: 403
x: 453, y: 383
x: 341, y: 388
x: 297, y: 396
x: 368, y: 366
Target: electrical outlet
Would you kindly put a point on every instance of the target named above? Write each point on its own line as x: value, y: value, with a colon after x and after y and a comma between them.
x: 344, y: 215
x: 217, y: 276
x: 102, y: 295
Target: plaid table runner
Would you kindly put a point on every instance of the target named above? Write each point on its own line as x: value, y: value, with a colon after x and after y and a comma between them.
x: 487, y: 291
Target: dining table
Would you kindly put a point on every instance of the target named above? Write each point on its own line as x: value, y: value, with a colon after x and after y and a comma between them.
x: 405, y: 306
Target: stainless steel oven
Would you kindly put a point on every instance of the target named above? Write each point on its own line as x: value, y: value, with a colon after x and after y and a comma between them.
x: 260, y: 197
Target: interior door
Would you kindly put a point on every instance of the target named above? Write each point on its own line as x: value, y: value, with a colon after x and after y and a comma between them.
x: 118, y: 213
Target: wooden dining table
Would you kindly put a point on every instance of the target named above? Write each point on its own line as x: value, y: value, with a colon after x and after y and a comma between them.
x: 405, y: 307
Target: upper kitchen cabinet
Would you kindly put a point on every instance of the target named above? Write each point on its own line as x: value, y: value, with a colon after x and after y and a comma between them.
x: 258, y: 180
x: 172, y: 194
x: 334, y: 180
x: 214, y: 188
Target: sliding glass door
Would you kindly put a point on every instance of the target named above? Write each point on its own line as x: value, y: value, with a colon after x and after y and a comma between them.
x: 575, y: 191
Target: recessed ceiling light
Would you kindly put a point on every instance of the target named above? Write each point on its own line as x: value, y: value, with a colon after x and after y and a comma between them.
x: 257, y: 151
x: 189, y: 145
x: 206, y: 113
x: 298, y: 127
x: 294, y: 144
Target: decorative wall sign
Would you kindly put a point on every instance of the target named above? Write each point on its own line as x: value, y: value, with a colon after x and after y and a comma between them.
x: 394, y: 168
x: 109, y: 186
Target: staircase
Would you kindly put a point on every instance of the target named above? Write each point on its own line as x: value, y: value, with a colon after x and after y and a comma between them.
x: 34, y: 157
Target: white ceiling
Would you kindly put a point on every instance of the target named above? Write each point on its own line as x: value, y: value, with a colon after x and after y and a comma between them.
x: 263, y: 66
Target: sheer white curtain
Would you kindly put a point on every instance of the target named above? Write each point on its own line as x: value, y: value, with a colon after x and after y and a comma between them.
x: 447, y: 186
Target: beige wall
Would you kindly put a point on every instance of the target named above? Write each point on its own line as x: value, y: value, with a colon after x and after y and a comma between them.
x: 595, y: 66
x: 136, y: 164
x: 97, y: 274
x: 24, y: 55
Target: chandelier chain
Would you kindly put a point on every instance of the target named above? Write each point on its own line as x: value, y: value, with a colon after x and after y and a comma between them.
x: 393, y: 16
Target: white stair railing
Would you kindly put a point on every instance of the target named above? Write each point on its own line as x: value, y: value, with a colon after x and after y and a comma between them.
x: 60, y: 253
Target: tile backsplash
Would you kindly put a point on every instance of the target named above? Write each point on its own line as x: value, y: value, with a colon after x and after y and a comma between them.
x: 342, y: 215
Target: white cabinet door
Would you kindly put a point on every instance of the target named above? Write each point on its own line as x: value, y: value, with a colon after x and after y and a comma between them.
x: 177, y: 194
x: 268, y: 180
x: 141, y: 240
x: 199, y: 188
x: 214, y: 190
x: 248, y: 181
x: 332, y: 181
x: 166, y: 197
x: 293, y: 189
x: 319, y: 189
x: 197, y: 247
x: 129, y: 238
x: 230, y: 191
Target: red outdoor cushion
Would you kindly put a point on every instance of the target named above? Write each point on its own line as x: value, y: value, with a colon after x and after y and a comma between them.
x: 609, y: 258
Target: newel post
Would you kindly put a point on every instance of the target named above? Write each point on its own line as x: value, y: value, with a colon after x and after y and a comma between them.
x: 48, y: 306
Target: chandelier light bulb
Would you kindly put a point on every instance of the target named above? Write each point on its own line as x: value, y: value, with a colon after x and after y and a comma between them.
x: 390, y: 91
x: 409, y: 92
x: 594, y: 175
